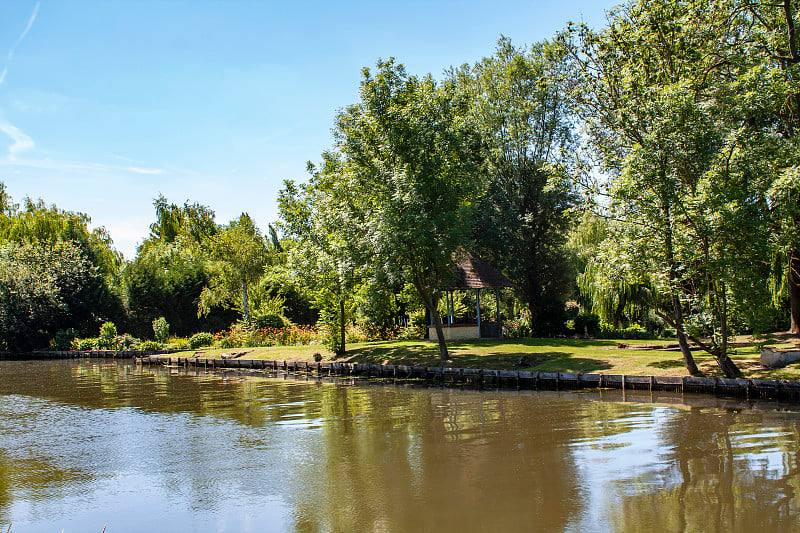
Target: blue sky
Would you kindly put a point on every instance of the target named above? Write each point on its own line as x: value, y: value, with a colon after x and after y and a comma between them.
x: 104, y: 105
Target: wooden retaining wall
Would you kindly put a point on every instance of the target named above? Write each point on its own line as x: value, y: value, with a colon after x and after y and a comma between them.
x: 749, y: 388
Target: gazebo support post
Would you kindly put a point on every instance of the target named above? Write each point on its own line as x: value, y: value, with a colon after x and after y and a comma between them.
x: 499, y: 325
x: 478, y: 301
x: 449, y: 308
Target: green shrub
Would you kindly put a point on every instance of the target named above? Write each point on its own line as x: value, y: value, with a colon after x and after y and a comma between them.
x: 226, y: 342
x: 412, y: 333
x: 269, y: 321
x: 516, y: 329
x: 179, y: 343
x: 108, y: 335
x: 200, y: 339
x: 632, y: 332
x: 161, y: 329
x: 149, y: 346
x: 84, y: 345
x: 125, y: 341
x: 587, y: 324
x: 63, y: 339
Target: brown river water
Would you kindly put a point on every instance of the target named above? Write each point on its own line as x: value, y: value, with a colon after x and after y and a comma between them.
x: 87, y: 443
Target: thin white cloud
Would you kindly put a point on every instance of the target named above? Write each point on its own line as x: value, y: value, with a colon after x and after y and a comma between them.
x: 21, y: 142
x: 3, y: 75
x: 25, y: 31
x: 140, y: 170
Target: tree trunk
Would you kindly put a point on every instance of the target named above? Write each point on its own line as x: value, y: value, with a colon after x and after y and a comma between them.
x: 688, y: 360
x: 437, y: 323
x: 676, y: 303
x: 794, y: 290
x: 727, y: 366
x: 430, y: 305
x: 342, y: 329
x: 725, y: 363
x: 245, y: 302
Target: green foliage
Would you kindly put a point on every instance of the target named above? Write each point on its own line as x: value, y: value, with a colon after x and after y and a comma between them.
x: 269, y: 321
x: 38, y: 223
x: 149, y: 346
x: 516, y: 329
x: 87, y: 344
x: 678, y: 99
x: 44, y: 288
x: 108, y: 331
x: 192, y: 221
x: 587, y: 324
x: 404, y: 178
x: 126, y: 341
x: 52, y: 231
x: 170, y: 271
x: 201, y: 339
x: 179, y: 343
x: 108, y: 335
x: 239, y: 256
x: 519, y: 104
x: 63, y: 339
x: 227, y: 341
x: 247, y: 335
x: 632, y: 332
x: 161, y: 329
x: 322, y: 255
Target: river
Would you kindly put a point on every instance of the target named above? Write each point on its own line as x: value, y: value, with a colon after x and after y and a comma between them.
x: 88, y: 443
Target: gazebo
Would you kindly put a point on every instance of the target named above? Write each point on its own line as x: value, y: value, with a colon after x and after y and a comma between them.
x: 471, y: 273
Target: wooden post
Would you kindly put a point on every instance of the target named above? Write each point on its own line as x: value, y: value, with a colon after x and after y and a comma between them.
x: 448, y: 297
x: 499, y: 324
x: 478, y: 301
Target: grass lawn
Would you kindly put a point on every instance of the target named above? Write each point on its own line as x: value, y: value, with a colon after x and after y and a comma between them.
x: 546, y: 355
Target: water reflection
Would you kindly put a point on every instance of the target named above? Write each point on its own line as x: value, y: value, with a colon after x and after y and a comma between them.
x: 85, y: 443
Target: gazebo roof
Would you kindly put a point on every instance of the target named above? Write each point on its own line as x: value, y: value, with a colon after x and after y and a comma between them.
x: 472, y: 272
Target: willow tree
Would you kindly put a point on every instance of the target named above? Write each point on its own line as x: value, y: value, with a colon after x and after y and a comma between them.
x: 410, y: 175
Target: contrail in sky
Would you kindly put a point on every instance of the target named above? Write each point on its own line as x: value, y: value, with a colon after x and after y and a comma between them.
x: 25, y: 31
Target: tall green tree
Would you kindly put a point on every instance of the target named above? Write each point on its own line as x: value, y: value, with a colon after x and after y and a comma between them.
x: 239, y: 255
x: 323, y: 255
x: 170, y: 271
x: 768, y: 113
x: 410, y: 176
x: 649, y: 93
x: 166, y: 280
x: 192, y: 220
x: 519, y: 103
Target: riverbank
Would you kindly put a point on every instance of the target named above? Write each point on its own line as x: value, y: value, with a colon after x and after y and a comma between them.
x: 601, y: 356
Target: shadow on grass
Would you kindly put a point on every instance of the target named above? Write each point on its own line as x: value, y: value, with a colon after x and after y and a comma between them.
x: 427, y: 354
x: 671, y: 363
x: 390, y: 353
x: 539, y: 342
